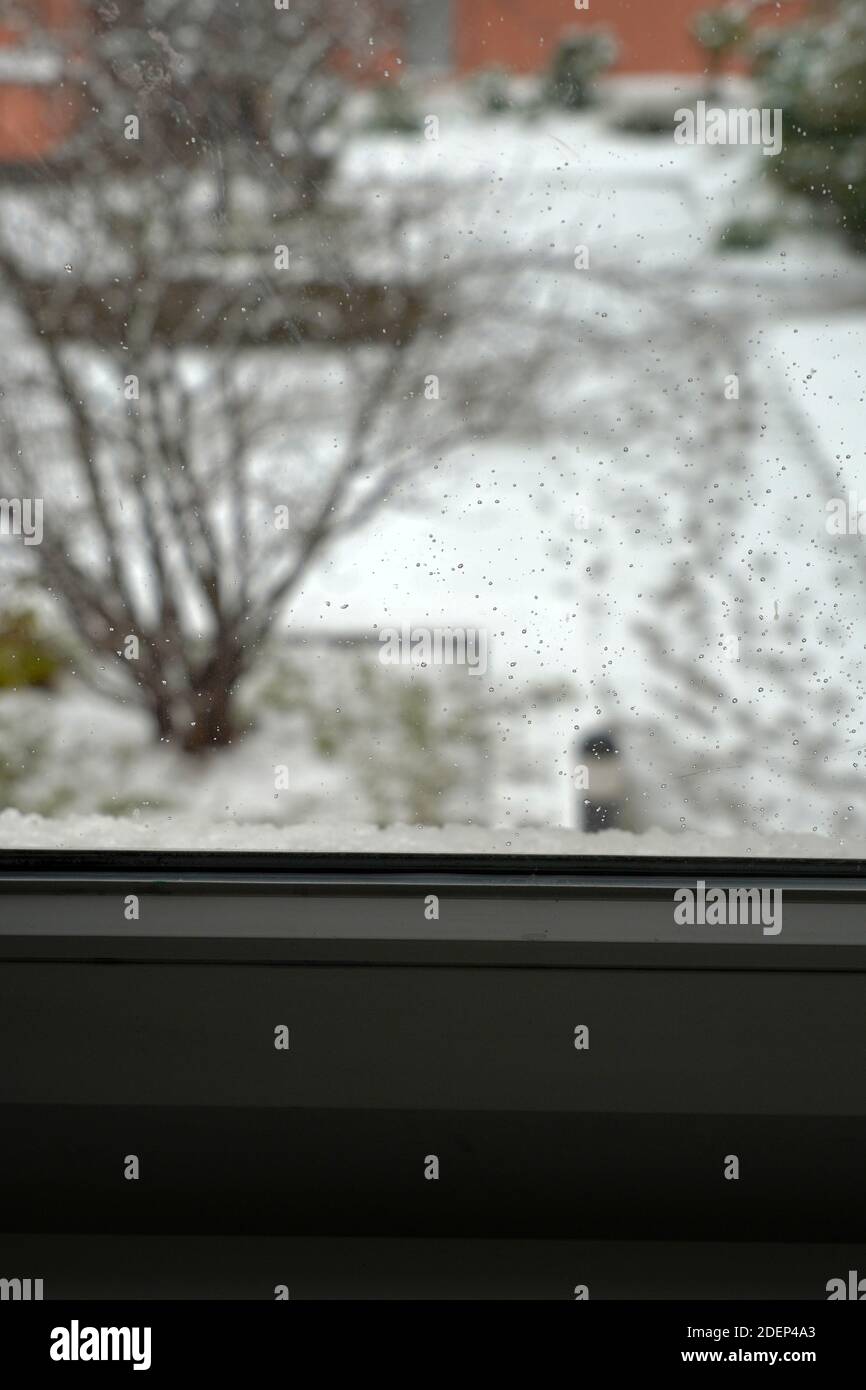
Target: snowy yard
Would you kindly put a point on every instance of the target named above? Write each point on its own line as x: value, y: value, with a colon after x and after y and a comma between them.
x: 642, y: 552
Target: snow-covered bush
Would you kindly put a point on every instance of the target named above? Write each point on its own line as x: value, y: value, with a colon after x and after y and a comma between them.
x: 720, y: 32
x: 493, y: 91
x: 394, y: 110
x: 580, y: 59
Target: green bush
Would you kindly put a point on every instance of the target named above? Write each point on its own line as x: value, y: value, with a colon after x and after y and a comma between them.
x: 27, y: 657
x: 434, y: 725
x: 747, y: 234
x: 577, y: 63
x: 815, y: 71
x: 652, y: 116
x: 394, y: 111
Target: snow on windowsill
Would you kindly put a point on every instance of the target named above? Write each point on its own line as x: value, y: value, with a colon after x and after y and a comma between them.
x: 186, y: 833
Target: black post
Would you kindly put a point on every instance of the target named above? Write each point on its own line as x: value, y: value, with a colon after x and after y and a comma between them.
x: 600, y: 782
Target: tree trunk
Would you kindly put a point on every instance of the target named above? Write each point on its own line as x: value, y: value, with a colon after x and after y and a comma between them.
x: 205, y: 721
x: 212, y: 723
x: 162, y: 717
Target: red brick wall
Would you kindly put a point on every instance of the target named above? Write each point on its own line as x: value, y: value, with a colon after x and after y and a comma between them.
x: 34, y: 120
x: 653, y: 35
x: 521, y: 35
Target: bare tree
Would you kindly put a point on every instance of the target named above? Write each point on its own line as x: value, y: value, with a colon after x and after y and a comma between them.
x: 231, y: 370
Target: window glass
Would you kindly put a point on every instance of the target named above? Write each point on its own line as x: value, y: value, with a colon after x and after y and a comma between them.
x: 433, y: 425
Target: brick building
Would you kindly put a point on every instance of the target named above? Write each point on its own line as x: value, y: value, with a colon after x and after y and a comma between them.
x: 463, y: 35
x: 36, y: 111
x: 441, y: 36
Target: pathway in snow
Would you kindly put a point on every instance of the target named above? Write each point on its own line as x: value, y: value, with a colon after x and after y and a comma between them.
x: 495, y: 543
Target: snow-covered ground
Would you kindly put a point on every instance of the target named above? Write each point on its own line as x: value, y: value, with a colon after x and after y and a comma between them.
x: 502, y: 549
